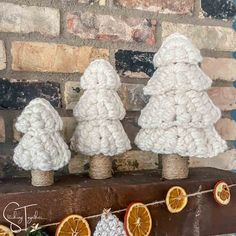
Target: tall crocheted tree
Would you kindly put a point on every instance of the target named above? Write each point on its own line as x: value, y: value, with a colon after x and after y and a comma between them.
x: 180, y: 117
x: 100, y: 133
x: 42, y: 149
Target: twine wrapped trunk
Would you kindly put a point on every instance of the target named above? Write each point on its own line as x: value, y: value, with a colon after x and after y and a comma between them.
x: 100, y: 167
x: 42, y: 178
x: 175, y: 167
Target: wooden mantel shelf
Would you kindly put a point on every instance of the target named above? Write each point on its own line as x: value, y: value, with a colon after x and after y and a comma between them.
x: 81, y: 195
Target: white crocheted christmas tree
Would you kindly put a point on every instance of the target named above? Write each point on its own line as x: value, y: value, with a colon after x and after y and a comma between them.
x: 180, y: 117
x: 99, y: 112
x: 109, y: 225
x: 41, y: 148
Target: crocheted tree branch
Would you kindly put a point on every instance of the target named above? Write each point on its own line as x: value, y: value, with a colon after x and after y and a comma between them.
x: 180, y: 117
x: 42, y: 147
x: 99, y: 112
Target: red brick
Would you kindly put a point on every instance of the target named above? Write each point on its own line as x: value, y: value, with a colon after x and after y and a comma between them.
x: 51, y: 57
x: 2, y: 130
x: 69, y: 125
x: 204, y: 37
x: 223, y: 97
x: 72, y: 93
x: 162, y: 6
x: 129, y: 161
x: 219, y: 68
x: 132, y: 96
x: 16, y: 134
x: 27, y: 19
x: 90, y: 25
x: 226, y: 128
x: 225, y: 161
x: 2, y: 55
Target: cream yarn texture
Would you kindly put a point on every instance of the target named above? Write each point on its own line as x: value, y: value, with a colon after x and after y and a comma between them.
x: 181, y: 76
x: 39, y: 114
x: 180, y: 116
x: 177, y: 49
x: 41, y: 147
x: 102, y: 104
x: 109, y: 225
x: 189, y: 109
x: 95, y: 137
x: 194, y: 142
x: 99, y: 112
x: 100, y: 75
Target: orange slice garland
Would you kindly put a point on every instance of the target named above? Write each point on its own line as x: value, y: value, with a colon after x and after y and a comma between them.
x: 222, y: 193
x: 73, y: 225
x: 138, y: 221
x: 5, y: 231
x: 176, y: 199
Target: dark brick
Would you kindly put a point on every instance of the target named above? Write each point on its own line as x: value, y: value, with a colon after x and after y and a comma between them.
x: 233, y: 144
x: 219, y: 9
x: 234, y: 55
x: 17, y: 94
x: 234, y: 25
x: 134, y: 63
x: 9, y: 169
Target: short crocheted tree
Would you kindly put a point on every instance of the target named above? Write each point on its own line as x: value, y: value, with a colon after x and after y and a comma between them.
x: 42, y: 149
x: 109, y: 225
x: 180, y: 117
x: 99, y: 132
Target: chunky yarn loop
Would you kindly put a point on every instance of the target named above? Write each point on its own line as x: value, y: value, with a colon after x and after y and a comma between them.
x: 99, y: 105
x: 39, y: 115
x: 100, y: 75
x: 42, y: 147
x: 180, y: 117
x: 189, y: 109
x: 177, y: 49
x: 109, y: 225
x: 99, y: 112
x: 95, y: 137
x: 181, y: 76
x: 190, y: 142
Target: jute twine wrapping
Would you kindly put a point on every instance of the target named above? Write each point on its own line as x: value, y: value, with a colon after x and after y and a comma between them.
x: 100, y: 167
x: 42, y: 178
x: 174, y: 167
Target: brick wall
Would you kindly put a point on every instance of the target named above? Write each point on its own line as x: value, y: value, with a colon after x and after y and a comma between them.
x: 46, y: 45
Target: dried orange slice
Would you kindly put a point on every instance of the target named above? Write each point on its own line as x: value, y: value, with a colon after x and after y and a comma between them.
x: 138, y: 221
x: 176, y: 199
x: 222, y: 193
x: 73, y: 225
x: 5, y: 231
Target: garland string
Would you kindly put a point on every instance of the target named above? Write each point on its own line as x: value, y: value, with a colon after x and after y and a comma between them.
x: 199, y: 192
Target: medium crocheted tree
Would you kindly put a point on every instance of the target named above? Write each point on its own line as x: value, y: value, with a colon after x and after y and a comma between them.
x: 180, y: 117
x: 100, y: 133
x: 109, y: 225
x: 42, y: 149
